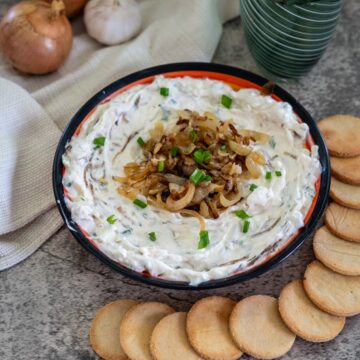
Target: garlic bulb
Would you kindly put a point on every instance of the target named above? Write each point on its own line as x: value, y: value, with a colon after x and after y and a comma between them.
x: 112, y: 22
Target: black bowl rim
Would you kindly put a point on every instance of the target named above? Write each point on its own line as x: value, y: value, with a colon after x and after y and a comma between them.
x: 192, y: 66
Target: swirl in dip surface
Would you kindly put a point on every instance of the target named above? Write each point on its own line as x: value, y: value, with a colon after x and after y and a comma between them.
x: 277, y: 206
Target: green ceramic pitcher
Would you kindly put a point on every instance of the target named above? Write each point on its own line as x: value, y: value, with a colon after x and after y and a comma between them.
x: 288, y: 37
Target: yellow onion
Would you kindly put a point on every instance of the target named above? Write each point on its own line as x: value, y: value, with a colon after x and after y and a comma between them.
x: 240, y: 149
x: 258, y: 157
x: 253, y: 168
x: 176, y: 205
x: 230, y: 202
x: 215, y: 211
x: 171, y: 178
x: 258, y: 136
x: 35, y: 36
x: 188, y: 149
x: 204, y: 209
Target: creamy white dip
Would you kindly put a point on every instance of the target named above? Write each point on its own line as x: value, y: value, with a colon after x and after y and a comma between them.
x: 278, y: 205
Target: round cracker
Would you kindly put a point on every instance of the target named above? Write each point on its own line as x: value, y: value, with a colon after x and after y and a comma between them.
x: 334, y: 293
x: 342, y: 135
x: 257, y: 328
x: 169, y: 340
x: 104, y: 331
x: 343, y: 222
x: 208, y: 331
x: 346, y: 170
x: 304, y: 318
x: 337, y: 254
x: 137, y: 326
x: 345, y: 194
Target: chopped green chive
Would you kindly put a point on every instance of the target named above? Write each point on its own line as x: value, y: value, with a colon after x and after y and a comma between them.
x: 161, y: 166
x: 198, y: 176
x: 174, y: 151
x: 278, y: 173
x: 253, y: 187
x: 223, y: 147
x: 152, y: 236
x: 99, y: 141
x: 140, y: 203
x: 272, y: 142
x: 226, y: 101
x: 111, y: 219
x: 268, y: 175
x: 204, y: 240
x: 246, y: 226
x: 193, y: 135
x: 242, y: 214
x: 201, y: 156
x: 164, y: 91
x: 140, y: 141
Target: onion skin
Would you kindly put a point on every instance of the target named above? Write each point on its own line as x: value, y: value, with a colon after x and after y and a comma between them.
x: 73, y: 7
x: 35, y: 36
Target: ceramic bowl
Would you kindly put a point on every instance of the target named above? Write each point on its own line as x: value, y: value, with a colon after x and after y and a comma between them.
x: 237, y: 78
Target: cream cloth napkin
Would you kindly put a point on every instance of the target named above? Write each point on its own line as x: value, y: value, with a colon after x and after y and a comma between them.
x: 34, y: 109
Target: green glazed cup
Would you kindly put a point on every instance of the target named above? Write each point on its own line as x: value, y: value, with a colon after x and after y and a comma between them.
x: 288, y: 37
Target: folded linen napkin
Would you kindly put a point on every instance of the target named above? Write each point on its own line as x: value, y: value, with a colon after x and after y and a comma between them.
x: 34, y: 109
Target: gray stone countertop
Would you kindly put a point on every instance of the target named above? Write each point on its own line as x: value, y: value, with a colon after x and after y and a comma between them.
x: 47, y: 302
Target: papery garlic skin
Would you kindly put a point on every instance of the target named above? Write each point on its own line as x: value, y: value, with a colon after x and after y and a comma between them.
x: 112, y: 22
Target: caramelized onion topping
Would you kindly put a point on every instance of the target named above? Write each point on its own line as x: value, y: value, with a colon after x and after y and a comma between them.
x: 217, y: 150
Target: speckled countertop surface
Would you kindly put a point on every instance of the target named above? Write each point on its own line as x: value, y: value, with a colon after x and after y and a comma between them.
x: 48, y: 301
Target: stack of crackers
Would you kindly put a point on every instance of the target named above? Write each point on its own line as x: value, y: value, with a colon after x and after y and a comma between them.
x: 217, y: 328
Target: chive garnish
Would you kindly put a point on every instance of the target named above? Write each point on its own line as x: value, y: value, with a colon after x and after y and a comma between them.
x: 152, y: 236
x: 223, y: 147
x: 140, y: 141
x: 278, y: 173
x: 226, y: 101
x: 193, y: 135
x: 198, y: 176
x: 253, y: 187
x: 111, y: 219
x: 242, y: 214
x: 174, y: 151
x: 272, y: 142
x: 140, y: 203
x: 99, y: 141
x: 161, y: 166
x: 246, y: 226
x: 164, y: 91
x: 201, y: 156
x: 204, y: 239
x: 268, y: 175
